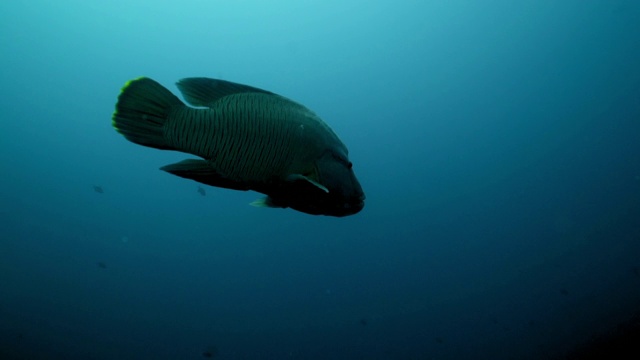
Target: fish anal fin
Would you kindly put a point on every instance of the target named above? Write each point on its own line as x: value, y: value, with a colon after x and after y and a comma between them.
x: 202, y: 172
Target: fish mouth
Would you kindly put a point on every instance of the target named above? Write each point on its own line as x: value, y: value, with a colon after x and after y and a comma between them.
x: 358, y: 207
x: 354, y: 206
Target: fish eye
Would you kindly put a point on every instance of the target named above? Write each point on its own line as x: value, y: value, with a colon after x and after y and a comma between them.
x: 342, y: 159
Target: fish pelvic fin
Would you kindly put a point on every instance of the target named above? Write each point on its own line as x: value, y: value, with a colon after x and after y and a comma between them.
x: 265, y: 202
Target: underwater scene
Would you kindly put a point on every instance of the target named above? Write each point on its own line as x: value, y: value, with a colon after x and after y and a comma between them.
x: 312, y: 179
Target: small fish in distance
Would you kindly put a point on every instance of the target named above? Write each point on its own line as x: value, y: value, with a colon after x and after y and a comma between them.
x: 210, y: 352
x: 248, y: 139
x: 201, y: 191
x: 98, y: 189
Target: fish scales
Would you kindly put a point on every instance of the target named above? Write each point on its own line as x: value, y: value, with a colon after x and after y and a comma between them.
x: 243, y: 136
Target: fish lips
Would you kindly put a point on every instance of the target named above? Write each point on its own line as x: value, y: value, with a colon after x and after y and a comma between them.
x: 351, y: 208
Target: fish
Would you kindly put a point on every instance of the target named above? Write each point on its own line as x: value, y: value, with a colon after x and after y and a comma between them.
x: 98, y: 189
x: 245, y: 139
x: 210, y: 352
x: 201, y: 191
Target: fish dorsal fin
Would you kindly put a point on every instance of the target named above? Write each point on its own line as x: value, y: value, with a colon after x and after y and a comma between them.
x: 200, y: 91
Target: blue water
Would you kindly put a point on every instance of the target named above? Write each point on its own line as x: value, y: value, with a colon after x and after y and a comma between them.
x: 497, y: 143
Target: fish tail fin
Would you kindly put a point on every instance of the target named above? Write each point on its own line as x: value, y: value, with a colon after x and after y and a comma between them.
x: 142, y: 110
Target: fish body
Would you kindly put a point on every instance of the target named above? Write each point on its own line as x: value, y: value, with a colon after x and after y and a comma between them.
x: 247, y: 139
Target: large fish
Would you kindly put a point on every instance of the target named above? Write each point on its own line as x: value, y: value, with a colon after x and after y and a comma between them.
x: 248, y: 139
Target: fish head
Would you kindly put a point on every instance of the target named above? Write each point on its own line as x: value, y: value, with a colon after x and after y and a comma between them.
x: 344, y: 195
x: 330, y: 188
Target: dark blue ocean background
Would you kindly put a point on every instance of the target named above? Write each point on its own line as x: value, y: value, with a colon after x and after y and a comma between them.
x: 497, y: 143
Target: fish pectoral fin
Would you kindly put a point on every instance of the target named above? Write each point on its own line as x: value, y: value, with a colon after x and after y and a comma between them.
x: 264, y: 202
x: 294, y: 177
x: 200, y: 91
x: 202, y: 172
